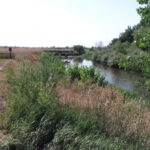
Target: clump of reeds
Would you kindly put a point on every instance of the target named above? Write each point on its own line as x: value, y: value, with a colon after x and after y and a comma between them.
x: 125, y: 119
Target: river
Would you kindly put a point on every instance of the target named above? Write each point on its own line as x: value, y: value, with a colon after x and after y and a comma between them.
x: 120, y: 78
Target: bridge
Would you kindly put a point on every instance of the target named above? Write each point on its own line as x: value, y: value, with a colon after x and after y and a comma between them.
x: 62, y: 52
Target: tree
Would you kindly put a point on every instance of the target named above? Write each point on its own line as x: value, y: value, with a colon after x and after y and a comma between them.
x: 142, y: 38
x: 79, y: 49
x: 114, y: 41
x: 142, y: 35
x: 144, y: 12
x: 127, y: 36
x: 121, y: 47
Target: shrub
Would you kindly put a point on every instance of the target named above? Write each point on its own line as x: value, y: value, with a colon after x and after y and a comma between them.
x: 85, y: 74
x: 31, y: 96
x: 79, y: 49
x: 140, y: 64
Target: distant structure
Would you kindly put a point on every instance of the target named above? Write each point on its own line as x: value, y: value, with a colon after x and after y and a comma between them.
x: 10, y: 52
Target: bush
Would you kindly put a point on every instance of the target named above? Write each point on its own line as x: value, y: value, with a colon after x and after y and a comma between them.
x: 85, y: 74
x: 31, y: 95
x: 79, y: 49
x: 140, y: 64
x: 142, y: 38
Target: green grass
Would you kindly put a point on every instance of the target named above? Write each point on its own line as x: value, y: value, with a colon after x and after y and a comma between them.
x: 37, y: 121
x: 6, y: 56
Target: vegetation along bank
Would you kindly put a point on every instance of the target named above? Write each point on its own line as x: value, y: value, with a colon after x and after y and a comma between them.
x: 51, y: 106
x: 131, y: 50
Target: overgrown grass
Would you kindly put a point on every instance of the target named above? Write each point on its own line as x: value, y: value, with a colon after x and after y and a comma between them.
x: 5, y: 55
x: 47, y: 110
x: 115, y: 116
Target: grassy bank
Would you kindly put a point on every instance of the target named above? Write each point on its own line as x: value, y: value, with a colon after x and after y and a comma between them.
x: 56, y: 107
x: 6, y: 56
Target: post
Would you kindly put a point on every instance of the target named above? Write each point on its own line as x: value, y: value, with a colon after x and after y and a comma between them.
x: 10, y: 52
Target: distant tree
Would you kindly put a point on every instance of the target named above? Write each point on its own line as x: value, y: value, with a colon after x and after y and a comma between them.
x: 79, y: 49
x: 92, y: 48
x: 127, y: 36
x: 113, y: 41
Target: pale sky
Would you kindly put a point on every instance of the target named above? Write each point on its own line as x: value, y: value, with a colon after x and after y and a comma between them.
x: 64, y: 22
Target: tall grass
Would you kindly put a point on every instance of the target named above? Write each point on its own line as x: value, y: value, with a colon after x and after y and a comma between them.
x: 30, y: 95
x: 47, y: 111
x: 117, y: 117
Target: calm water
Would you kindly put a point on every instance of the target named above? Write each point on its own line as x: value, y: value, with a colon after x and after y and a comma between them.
x: 119, y: 78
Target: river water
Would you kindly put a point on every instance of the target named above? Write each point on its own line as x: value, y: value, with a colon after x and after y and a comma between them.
x: 119, y: 78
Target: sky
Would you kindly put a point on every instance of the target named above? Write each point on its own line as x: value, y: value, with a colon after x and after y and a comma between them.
x: 46, y: 23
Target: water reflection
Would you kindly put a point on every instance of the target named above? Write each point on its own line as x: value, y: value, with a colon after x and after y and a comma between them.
x: 119, y: 78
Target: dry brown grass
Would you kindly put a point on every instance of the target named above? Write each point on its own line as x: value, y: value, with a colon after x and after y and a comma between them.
x: 122, y: 118
x: 22, y: 50
x: 3, y: 102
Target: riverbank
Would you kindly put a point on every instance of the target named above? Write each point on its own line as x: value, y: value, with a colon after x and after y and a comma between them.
x: 126, y: 80
x: 53, y: 108
x: 134, y: 60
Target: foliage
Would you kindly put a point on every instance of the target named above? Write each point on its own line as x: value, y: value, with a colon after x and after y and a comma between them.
x: 52, y: 66
x: 88, y: 55
x: 85, y: 74
x: 143, y: 34
x: 127, y: 35
x: 79, y: 49
x: 37, y: 119
x: 31, y: 93
x: 6, y: 55
x: 78, y: 58
x: 144, y: 12
x: 142, y: 38
x: 140, y: 64
x: 121, y: 47
x: 113, y: 41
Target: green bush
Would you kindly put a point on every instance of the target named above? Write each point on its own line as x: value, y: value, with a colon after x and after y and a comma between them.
x: 140, y: 64
x: 79, y: 49
x: 88, y: 55
x: 85, y: 74
x: 142, y: 38
x: 31, y: 95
